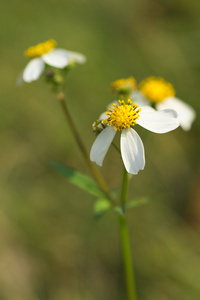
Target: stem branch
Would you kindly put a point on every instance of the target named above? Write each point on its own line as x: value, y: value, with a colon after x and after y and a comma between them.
x: 97, y: 175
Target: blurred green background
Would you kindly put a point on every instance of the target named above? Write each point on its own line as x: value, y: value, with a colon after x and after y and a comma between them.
x: 51, y: 246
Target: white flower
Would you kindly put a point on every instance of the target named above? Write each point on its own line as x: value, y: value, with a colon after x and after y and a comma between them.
x: 46, y: 53
x: 162, y: 94
x: 186, y: 113
x: 76, y: 57
x: 123, y: 117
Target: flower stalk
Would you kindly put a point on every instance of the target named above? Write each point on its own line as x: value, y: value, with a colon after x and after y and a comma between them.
x: 124, y: 190
x: 127, y: 259
x: 125, y: 243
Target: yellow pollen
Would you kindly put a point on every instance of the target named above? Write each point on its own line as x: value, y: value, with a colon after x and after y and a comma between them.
x: 124, y: 115
x: 156, y: 89
x: 123, y: 85
x: 40, y: 49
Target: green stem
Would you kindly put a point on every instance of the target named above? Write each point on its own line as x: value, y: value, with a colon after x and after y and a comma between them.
x: 117, y: 148
x: 124, y: 189
x: 96, y: 174
x: 126, y: 247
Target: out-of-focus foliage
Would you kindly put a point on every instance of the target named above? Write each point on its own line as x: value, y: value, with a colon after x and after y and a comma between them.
x: 51, y: 246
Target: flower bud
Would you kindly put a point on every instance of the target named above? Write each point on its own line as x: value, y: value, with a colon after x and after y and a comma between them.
x: 98, y: 126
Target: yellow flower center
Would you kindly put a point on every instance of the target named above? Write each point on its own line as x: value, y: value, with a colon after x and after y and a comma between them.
x: 122, y: 86
x: 156, y: 89
x: 40, y: 49
x: 124, y: 115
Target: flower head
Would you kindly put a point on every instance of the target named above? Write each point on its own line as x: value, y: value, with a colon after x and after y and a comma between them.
x: 40, y: 49
x: 46, y: 53
x: 157, y: 91
x: 123, y: 118
x: 124, y: 86
x: 123, y: 115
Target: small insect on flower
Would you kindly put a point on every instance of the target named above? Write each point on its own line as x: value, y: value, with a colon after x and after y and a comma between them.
x: 160, y: 93
x: 123, y: 118
x: 47, y: 54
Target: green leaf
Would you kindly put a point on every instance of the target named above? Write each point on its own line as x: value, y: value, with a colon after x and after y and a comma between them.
x: 114, y: 193
x: 130, y: 204
x: 82, y: 181
x: 120, y: 210
x: 137, y: 202
x: 101, y: 206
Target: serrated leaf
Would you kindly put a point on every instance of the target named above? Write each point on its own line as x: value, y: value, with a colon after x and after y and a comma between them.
x: 137, y: 202
x: 77, y: 178
x: 101, y: 206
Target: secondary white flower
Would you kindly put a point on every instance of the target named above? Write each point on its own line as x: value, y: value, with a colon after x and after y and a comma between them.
x: 162, y: 94
x: 76, y: 57
x: 46, y: 53
x: 123, y: 117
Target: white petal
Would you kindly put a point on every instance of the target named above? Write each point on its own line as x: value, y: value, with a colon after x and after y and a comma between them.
x: 19, y: 81
x: 103, y: 116
x: 58, y: 58
x: 33, y: 70
x: 158, y: 121
x: 101, y: 145
x: 77, y: 57
x: 186, y: 113
x: 139, y: 99
x: 132, y: 151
